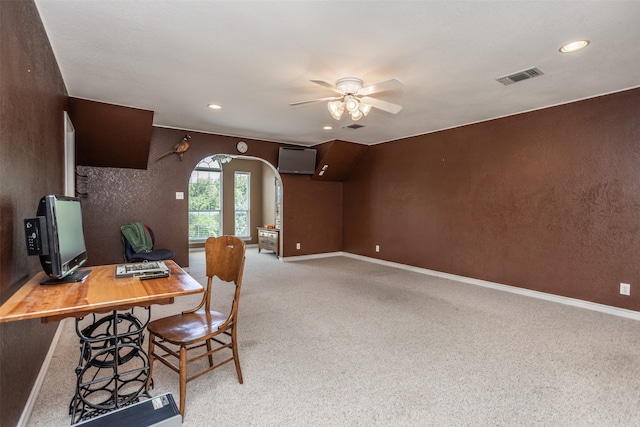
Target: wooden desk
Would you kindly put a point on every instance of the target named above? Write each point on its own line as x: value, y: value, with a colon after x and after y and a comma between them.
x: 113, y: 367
x: 101, y: 292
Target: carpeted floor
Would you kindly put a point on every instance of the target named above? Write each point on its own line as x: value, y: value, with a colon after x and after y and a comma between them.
x: 343, y: 342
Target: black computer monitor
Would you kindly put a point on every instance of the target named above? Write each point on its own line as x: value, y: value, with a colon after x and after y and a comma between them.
x: 57, y: 236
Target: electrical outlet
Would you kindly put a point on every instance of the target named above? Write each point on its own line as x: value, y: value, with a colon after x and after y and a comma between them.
x: 377, y: 248
x: 625, y: 289
x: 297, y: 245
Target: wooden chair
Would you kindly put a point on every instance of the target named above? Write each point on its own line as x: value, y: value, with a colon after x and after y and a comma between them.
x: 201, y: 326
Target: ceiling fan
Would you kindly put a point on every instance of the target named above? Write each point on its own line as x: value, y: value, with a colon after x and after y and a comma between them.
x: 355, y: 99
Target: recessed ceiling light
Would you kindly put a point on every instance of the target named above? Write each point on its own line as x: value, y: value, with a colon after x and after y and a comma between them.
x: 215, y: 106
x: 574, y: 46
x: 327, y: 127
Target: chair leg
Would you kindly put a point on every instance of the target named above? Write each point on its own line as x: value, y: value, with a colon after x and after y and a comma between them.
x: 209, y: 350
x: 183, y: 379
x: 234, y: 349
x: 151, y: 359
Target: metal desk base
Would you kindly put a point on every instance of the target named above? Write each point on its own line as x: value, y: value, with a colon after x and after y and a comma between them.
x: 113, y: 367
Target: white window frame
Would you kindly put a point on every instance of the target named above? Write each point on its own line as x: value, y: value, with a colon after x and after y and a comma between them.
x: 246, y: 211
x: 209, y: 164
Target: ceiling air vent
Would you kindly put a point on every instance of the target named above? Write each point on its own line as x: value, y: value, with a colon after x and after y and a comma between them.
x: 520, y: 75
x: 353, y: 126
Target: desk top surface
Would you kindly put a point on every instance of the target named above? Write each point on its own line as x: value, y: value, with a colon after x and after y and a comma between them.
x: 99, y: 293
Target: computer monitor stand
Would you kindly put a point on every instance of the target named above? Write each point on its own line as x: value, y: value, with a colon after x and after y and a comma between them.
x: 76, y: 276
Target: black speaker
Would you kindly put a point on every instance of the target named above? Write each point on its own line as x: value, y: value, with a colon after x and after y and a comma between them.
x: 160, y: 411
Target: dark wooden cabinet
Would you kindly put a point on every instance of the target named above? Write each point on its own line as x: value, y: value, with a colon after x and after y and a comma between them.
x: 269, y: 239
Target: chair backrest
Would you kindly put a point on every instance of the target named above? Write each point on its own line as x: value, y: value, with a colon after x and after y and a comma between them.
x: 225, y: 257
x: 128, y: 249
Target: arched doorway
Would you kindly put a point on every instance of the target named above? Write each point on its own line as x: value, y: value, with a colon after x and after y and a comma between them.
x: 233, y: 195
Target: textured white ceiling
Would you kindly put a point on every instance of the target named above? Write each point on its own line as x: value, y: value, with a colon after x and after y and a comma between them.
x: 255, y: 57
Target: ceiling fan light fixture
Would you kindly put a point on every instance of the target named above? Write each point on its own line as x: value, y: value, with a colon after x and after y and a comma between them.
x: 351, y: 103
x: 356, y: 115
x: 365, y: 108
x: 355, y: 98
x: 336, y: 108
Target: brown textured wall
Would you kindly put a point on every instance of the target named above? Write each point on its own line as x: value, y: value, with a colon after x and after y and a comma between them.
x: 110, y: 135
x: 32, y: 100
x: 312, y: 215
x: 548, y: 200
x: 118, y: 196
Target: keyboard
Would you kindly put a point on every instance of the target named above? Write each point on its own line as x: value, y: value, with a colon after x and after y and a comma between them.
x: 140, y: 266
x: 146, y: 268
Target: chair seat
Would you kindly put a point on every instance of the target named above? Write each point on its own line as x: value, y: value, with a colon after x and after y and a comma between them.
x: 187, y: 328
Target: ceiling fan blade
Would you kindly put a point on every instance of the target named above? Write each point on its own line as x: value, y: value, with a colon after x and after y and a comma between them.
x: 380, y: 87
x: 329, y: 98
x: 327, y: 85
x: 382, y: 105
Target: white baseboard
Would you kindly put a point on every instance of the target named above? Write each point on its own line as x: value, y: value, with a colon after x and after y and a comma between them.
x: 33, y: 396
x: 314, y: 256
x: 588, y: 305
